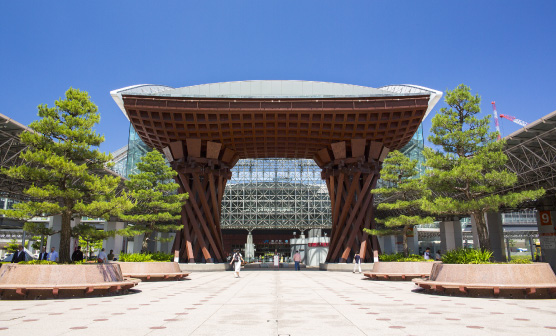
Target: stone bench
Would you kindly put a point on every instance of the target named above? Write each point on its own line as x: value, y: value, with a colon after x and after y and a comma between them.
x: 402, y: 270
x: 152, y: 271
x: 44, y: 281
x: 506, y: 280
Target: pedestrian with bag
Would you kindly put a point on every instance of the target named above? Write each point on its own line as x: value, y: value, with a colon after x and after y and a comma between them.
x: 237, y: 259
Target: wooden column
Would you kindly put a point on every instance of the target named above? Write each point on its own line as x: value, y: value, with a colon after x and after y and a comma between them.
x: 203, y: 170
x: 351, y: 171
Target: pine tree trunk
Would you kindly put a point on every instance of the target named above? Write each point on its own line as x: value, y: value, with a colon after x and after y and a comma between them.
x: 146, y: 238
x: 65, y: 238
x: 404, y: 240
x: 482, y: 231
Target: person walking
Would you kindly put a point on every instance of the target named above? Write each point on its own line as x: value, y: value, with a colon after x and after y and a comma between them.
x: 356, y: 262
x: 237, y: 259
x: 43, y: 255
x: 297, y: 260
x: 77, y: 255
x: 18, y: 255
x: 53, y: 255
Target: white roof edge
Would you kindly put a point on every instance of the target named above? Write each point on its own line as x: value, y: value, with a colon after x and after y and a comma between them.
x: 117, y: 94
x: 17, y: 123
x: 435, y: 94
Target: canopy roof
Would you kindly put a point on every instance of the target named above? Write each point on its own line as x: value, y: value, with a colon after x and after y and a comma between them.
x: 291, y: 119
x: 274, y: 89
x: 532, y: 152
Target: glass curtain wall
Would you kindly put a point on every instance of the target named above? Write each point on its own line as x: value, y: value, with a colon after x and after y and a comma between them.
x: 136, y: 150
x: 276, y: 194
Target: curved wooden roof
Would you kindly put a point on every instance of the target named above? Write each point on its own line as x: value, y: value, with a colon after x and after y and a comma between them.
x: 263, y: 128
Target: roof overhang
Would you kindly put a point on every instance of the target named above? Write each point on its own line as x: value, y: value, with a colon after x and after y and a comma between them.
x: 275, y: 89
x: 261, y: 119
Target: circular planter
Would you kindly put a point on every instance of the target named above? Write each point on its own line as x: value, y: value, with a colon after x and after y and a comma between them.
x: 507, y: 280
x: 402, y: 270
x: 152, y: 271
x: 46, y: 281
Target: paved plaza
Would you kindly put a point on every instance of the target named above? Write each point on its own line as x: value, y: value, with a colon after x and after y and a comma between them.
x: 278, y: 303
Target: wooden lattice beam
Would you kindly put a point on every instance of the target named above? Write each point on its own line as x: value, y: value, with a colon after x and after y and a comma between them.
x: 350, y: 180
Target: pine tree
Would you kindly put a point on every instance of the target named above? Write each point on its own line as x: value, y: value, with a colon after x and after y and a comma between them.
x: 468, y: 170
x: 65, y: 173
x: 157, y: 204
x: 88, y: 235
x: 402, y: 193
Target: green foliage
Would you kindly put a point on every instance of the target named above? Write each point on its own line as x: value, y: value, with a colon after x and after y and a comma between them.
x: 89, y: 237
x: 37, y: 242
x: 468, y: 170
x: 467, y: 256
x: 520, y: 260
x: 63, y: 169
x: 160, y: 256
x: 38, y: 228
x: 157, y: 206
x: 140, y: 257
x: 13, y: 245
x: 37, y: 262
x: 90, y: 234
x: 400, y: 257
x: 404, y: 193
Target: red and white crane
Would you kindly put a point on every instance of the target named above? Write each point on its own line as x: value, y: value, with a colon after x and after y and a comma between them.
x: 514, y: 119
x: 505, y: 116
x: 496, y: 122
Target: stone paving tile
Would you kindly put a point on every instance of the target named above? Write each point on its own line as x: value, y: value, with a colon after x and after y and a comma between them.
x: 278, y: 303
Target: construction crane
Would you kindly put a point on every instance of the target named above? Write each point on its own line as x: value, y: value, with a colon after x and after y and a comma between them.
x: 496, y: 122
x: 514, y: 119
x: 505, y: 116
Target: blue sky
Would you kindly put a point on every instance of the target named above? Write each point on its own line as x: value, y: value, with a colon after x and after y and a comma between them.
x: 504, y: 50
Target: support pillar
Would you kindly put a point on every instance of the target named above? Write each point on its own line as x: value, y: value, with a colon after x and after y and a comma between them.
x: 547, y: 236
x: 162, y: 242
x: 413, y: 241
x: 451, y: 237
x: 388, y: 244
x: 54, y: 223
x: 115, y: 243
x: 351, y: 172
x: 137, y: 244
x: 495, y: 233
x: 203, y: 169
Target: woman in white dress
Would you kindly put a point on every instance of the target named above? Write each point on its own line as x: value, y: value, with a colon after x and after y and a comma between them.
x: 237, y: 258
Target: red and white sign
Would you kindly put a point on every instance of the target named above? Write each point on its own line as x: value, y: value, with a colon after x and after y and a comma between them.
x: 317, y: 244
x: 546, y: 218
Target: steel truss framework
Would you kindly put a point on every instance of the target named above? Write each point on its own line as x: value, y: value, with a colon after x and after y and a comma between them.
x: 276, y: 194
x: 533, y: 158
x: 10, y: 148
x: 531, y: 155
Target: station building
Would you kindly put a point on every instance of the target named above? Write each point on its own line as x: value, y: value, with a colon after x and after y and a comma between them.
x: 274, y: 204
